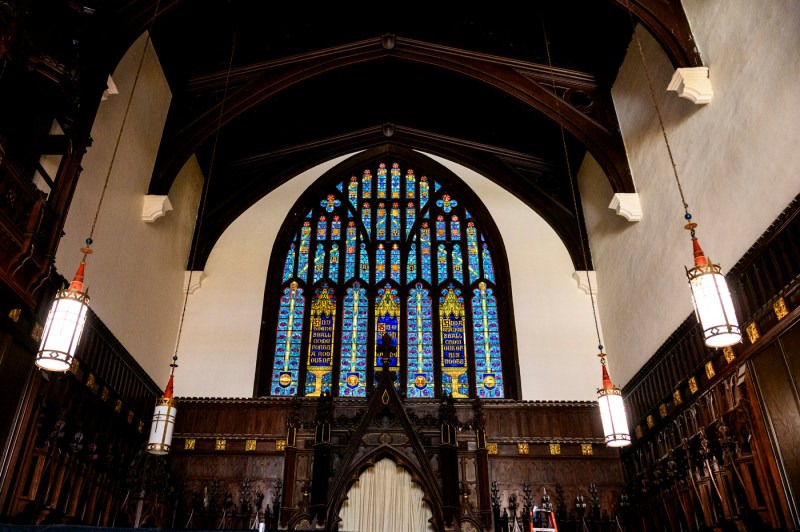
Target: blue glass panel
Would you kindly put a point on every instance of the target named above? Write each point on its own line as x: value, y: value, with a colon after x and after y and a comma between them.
x: 353, y: 374
x: 333, y: 268
x: 458, y: 264
x: 340, y: 187
x: 352, y: 191
x: 366, y: 217
x: 436, y: 186
x: 452, y: 327
x: 486, y: 337
x: 424, y: 192
x: 330, y: 203
x: 420, y: 343
x: 319, y: 263
x: 394, y: 215
x: 472, y: 250
x: 322, y: 228
x: 350, y: 252
x: 380, y: 263
x: 364, y: 263
x: 411, y: 183
x: 366, y: 185
x: 488, y: 268
x: 380, y: 224
x: 336, y: 227
x: 455, y: 228
x: 287, y: 344
x: 441, y: 229
x: 387, y: 321
x: 381, y: 181
x: 425, y: 247
x: 411, y: 263
x: 411, y: 216
x: 441, y: 264
x: 395, y: 177
x: 446, y: 203
x: 288, y: 265
x: 395, y: 263
x: 302, y: 258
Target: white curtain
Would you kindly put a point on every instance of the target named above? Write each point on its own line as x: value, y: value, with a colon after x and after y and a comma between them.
x: 384, y: 499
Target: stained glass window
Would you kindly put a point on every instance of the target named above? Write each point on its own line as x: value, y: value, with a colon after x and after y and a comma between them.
x: 410, y: 253
x: 353, y: 374
x: 486, y: 335
x: 319, y: 364
x: 420, y: 343
x: 288, y: 337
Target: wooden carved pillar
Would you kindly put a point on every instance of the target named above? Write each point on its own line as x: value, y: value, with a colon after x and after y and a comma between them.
x: 448, y: 459
x: 289, y: 463
x: 321, y: 471
x: 482, y: 465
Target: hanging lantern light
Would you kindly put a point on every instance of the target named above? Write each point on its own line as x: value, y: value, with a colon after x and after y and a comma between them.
x: 612, y: 410
x: 65, y: 321
x: 163, y: 425
x: 711, y: 297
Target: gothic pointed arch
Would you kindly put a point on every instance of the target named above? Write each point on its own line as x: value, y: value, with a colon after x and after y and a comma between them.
x: 388, y: 242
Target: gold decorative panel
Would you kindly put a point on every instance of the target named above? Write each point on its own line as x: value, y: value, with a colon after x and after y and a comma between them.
x: 662, y: 410
x: 650, y: 422
x: 130, y: 416
x: 36, y: 332
x: 555, y: 448
x: 586, y: 449
x: 523, y: 448
x: 752, y: 333
x: 140, y: 426
x: 280, y: 445
x: 73, y: 368
x: 90, y: 382
x: 492, y: 447
x: 779, y: 306
x: 250, y: 445
x: 639, y: 432
x: 118, y: 406
x: 729, y: 355
x: 104, y: 394
x: 676, y: 397
x: 692, y: 385
x: 188, y: 444
x: 14, y: 314
x: 221, y: 445
x: 710, y: 370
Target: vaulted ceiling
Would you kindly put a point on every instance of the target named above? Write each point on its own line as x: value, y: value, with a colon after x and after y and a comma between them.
x: 261, y: 94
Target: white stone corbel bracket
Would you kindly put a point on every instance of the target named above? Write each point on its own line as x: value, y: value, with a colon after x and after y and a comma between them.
x: 628, y: 205
x: 111, y: 89
x: 154, y: 207
x: 583, y: 285
x: 693, y: 84
x: 192, y: 280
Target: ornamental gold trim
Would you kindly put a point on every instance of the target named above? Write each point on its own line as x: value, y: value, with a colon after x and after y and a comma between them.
x: 220, y: 445
x: 676, y: 397
x: 523, y: 449
x: 587, y: 449
x: 662, y: 410
x: 555, y: 449
x: 280, y: 445
x: 779, y: 306
x: 250, y: 445
x: 492, y: 447
x: 650, y: 422
x: 729, y: 354
x: 188, y: 444
x: 140, y: 426
x: 710, y: 373
x: 752, y: 332
x: 639, y: 432
x: 692, y: 385
x: 130, y: 416
x: 118, y: 406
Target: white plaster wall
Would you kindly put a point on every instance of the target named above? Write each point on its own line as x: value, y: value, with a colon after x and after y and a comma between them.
x: 737, y: 158
x: 219, y: 343
x: 135, y: 274
x: 555, y: 331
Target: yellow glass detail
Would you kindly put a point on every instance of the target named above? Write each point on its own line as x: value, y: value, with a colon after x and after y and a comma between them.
x: 322, y: 306
x: 780, y: 308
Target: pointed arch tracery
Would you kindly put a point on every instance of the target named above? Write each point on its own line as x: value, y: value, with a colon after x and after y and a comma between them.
x: 389, y: 250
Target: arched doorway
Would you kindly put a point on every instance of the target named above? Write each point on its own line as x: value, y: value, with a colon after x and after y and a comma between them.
x: 385, y: 499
